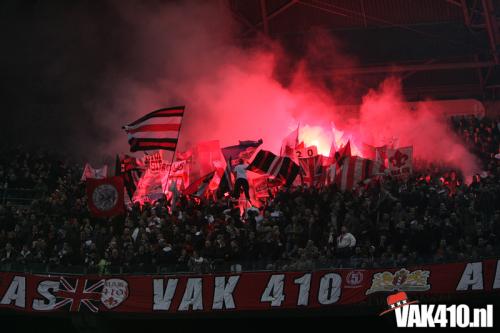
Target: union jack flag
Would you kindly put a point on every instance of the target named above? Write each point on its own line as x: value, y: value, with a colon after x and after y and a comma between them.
x: 312, y: 170
x: 81, y: 292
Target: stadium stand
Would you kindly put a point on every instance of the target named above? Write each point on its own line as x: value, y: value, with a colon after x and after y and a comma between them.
x: 391, y: 224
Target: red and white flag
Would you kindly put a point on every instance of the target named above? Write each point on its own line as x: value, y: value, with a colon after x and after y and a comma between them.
x: 150, y: 187
x: 184, y: 155
x: 219, y: 172
x: 289, y: 143
x: 381, y: 155
x: 180, y: 171
x: 337, y: 157
x: 353, y: 170
x: 400, y: 161
x: 90, y: 172
x: 156, y: 130
x: 368, y: 151
x: 207, y: 157
x: 259, y: 185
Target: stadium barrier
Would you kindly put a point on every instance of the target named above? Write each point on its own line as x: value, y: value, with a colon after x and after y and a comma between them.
x: 20, y: 196
x: 216, y: 266
x: 233, y: 292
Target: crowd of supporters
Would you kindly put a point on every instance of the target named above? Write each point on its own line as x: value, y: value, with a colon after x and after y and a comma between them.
x: 389, y: 223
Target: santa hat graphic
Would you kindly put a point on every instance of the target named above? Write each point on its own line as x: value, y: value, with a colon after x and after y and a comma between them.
x: 397, y: 300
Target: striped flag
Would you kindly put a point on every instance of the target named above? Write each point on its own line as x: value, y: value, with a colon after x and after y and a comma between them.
x: 280, y: 167
x: 353, y: 170
x: 199, y: 187
x: 156, y: 130
x: 131, y: 170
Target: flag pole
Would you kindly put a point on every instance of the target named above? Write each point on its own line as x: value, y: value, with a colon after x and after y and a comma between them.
x: 175, y: 149
x: 297, y: 140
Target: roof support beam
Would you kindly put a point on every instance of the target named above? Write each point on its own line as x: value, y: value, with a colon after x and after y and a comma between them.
x: 412, y: 68
x: 491, y: 26
x: 474, y: 11
x: 239, y: 17
x: 453, y: 2
x: 363, y: 12
x: 480, y: 73
x: 417, y: 93
x: 465, y: 10
x: 263, y: 12
x: 408, y: 74
x: 332, y: 8
x: 278, y: 11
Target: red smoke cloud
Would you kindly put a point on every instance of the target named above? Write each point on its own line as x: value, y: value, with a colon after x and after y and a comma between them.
x: 187, y: 54
x: 384, y: 115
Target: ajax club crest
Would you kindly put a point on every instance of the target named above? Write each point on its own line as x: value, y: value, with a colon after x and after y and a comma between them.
x: 105, y: 197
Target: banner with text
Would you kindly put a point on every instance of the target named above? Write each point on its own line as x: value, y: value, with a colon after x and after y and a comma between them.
x: 237, y: 292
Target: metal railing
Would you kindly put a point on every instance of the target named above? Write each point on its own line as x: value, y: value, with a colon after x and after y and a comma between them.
x: 220, y: 266
x: 20, y: 196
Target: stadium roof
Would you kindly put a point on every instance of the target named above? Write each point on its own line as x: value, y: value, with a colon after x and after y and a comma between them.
x: 440, y: 48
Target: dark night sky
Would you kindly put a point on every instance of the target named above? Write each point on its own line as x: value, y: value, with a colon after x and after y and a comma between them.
x: 55, y: 55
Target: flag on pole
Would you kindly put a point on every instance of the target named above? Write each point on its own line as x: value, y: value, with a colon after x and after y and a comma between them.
x: 232, y: 154
x: 204, y: 155
x: 381, y: 155
x: 184, y: 155
x: 131, y: 170
x: 207, y: 157
x: 289, y: 143
x: 218, y: 175
x: 180, y: 172
x: 157, y: 130
x: 175, y: 195
x: 244, y: 150
x: 149, y: 187
x: 280, y: 167
x: 400, y: 161
x: 199, y: 187
x: 368, y: 151
x: 340, y: 155
x: 90, y: 172
x: 333, y: 149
